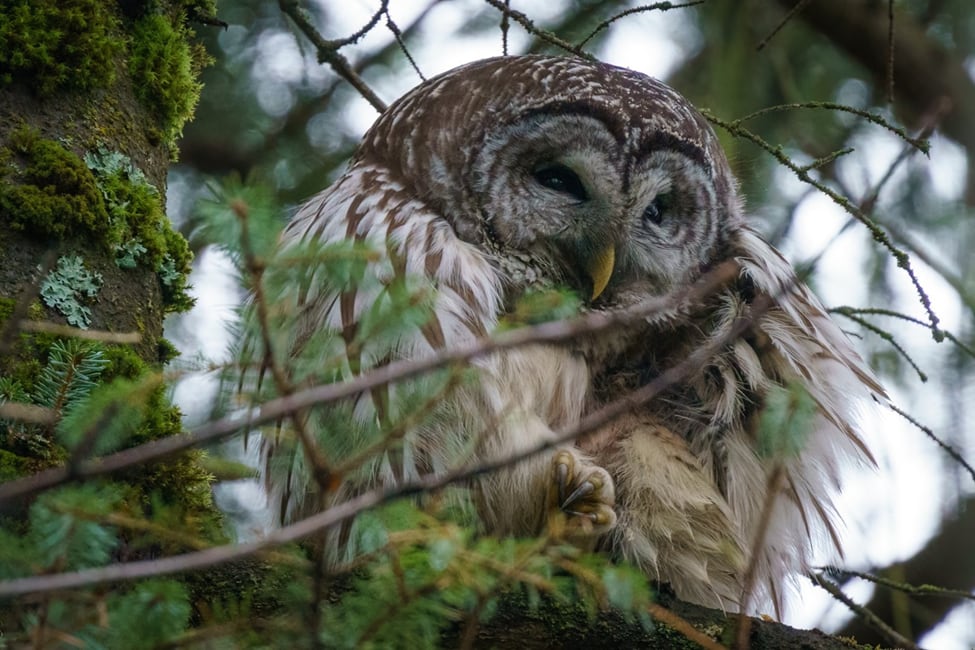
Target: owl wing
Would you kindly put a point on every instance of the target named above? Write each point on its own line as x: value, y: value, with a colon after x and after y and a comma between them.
x: 512, y: 403
x: 419, y: 289
x: 798, y: 342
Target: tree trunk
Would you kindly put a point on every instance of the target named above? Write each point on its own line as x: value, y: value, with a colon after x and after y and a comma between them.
x: 93, y: 94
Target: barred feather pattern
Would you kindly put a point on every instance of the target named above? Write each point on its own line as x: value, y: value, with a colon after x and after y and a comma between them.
x: 691, y: 481
x: 518, y: 397
x: 516, y: 173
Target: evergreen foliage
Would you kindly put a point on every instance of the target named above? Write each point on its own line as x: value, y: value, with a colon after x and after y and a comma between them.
x: 422, y: 570
x: 424, y: 575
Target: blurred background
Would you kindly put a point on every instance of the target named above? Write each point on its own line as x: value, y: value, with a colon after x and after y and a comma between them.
x: 271, y: 113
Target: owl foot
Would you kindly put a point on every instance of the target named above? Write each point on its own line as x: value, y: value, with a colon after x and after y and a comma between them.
x: 581, y: 497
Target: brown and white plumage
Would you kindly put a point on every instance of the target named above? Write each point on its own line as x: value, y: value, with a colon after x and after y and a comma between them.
x: 517, y: 173
x: 694, y: 525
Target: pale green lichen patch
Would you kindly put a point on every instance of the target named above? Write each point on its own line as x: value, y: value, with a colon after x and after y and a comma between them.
x: 139, y: 230
x: 49, y: 191
x: 67, y: 287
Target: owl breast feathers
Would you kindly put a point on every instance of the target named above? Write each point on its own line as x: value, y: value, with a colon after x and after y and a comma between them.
x: 515, y: 174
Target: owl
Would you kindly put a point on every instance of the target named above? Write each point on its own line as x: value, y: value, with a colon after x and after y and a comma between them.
x: 527, y: 173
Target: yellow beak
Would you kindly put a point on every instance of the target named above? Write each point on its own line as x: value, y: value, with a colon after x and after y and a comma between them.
x: 600, y: 268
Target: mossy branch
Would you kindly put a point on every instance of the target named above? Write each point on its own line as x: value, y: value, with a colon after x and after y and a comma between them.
x: 879, y: 235
x: 921, y: 144
x: 914, y: 590
x: 886, y: 336
x: 948, y: 449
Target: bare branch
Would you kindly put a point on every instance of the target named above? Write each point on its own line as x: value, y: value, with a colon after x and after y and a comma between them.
x: 889, y: 633
x: 28, y: 413
x: 948, y: 449
x: 551, y: 332
x: 367, y: 500
x: 104, y: 336
x: 782, y: 23
x: 662, y: 6
x: 328, y: 51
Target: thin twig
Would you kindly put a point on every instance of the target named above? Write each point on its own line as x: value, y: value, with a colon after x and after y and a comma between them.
x: 775, y: 30
x: 889, y: 338
x: 869, y: 200
x: 662, y: 6
x: 879, y: 235
x: 273, y: 410
x: 321, y: 470
x: 919, y: 142
x: 398, y: 35
x: 872, y: 619
x: 877, y: 311
x: 948, y: 449
x: 773, y: 488
x: 936, y: 264
x: 545, y: 35
x: 373, y: 498
x: 890, y: 52
x: 913, y: 590
x: 328, y: 51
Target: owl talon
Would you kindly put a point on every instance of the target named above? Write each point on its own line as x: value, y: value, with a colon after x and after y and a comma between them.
x: 562, y: 478
x: 583, y: 493
x: 585, y: 489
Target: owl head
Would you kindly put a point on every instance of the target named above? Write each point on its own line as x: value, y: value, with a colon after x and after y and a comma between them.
x: 569, y: 171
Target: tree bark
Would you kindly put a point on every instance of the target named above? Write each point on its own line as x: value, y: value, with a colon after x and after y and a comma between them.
x: 555, y: 625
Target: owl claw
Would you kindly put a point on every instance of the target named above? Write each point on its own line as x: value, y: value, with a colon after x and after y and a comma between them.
x: 585, y: 489
x: 584, y: 493
x: 562, y: 478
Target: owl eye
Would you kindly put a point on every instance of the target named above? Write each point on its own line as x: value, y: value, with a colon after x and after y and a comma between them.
x: 561, y: 179
x: 654, y: 213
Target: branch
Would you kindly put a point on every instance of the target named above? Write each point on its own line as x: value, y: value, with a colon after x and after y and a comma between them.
x: 367, y: 500
x: 926, y: 74
x: 944, y: 561
x: 273, y: 410
x: 879, y: 235
x: 328, y: 50
x: 863, y: 613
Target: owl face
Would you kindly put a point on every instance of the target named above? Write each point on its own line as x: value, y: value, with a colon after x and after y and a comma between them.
x: 581, y: 173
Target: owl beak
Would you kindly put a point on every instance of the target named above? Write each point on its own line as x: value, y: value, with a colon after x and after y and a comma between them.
x: 600, y: 269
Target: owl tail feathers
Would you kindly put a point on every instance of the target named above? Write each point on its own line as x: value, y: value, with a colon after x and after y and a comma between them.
x: 673, y: 524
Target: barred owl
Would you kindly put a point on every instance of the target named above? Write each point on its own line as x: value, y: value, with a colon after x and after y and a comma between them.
x: 511, y: 174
